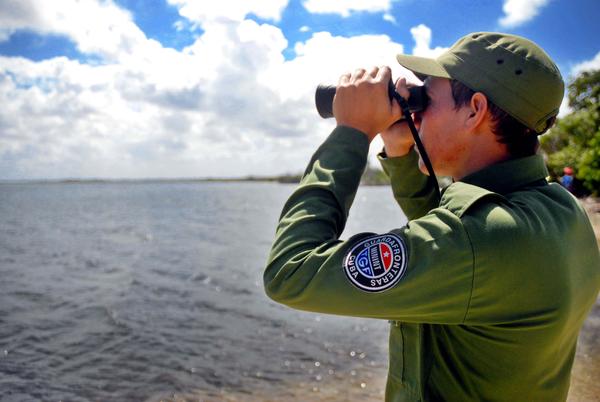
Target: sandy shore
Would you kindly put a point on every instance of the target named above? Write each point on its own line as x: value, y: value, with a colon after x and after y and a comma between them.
x: 592, y: 206
x: 586, y: 369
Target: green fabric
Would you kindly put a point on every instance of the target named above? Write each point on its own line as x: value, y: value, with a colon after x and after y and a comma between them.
x: 413, y: 190
x: 513, y: 72
x: 499, y: 280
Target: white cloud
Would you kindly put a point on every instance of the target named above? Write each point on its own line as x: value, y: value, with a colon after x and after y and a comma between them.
x: 233, y: 10
x: 422, y: 36
x: 161, y: 114
x: 518, y: 12
x: 15, y: 14
x: 304, y: 28
x: 592, y: 64
x: 228, y: 105
x: 564, y: 107
x: 586, y: 65
x: 390, y: 18
x: 179, y: 25
x: 324, y: 57
x: 96, y: 27
x: 346, y: 7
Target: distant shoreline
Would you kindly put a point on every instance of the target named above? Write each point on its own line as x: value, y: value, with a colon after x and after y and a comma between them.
x: 277, y: 179
x: 371, y: 177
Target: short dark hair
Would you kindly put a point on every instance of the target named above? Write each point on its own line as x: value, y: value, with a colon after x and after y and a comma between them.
x: 519, y: 139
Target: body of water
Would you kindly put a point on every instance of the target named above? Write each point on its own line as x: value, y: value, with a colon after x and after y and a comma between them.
x: 150, y: 291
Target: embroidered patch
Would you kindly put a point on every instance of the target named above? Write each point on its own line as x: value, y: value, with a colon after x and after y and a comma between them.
x: 376, y: 263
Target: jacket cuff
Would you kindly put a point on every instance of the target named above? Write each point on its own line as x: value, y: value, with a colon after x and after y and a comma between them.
x: 393, y: 166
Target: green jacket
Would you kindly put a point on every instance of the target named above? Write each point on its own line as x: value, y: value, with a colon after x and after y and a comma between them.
x: 487, y: 287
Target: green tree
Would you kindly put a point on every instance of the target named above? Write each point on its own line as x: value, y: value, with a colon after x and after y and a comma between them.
x: 575, y: 139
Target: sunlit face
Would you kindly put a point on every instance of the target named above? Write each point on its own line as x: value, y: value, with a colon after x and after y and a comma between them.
x: 441, y: 129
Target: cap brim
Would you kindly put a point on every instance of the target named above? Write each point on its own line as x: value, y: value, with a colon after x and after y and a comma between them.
x: 422, y: 66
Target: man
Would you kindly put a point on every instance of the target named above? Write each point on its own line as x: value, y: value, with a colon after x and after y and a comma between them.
x: 486, y: 286
x: 567, y: 179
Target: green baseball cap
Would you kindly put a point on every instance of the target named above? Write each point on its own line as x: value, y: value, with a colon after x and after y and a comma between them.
x: 513, y: 72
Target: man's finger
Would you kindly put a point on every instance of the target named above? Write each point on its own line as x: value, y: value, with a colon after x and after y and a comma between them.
x: 358, y: 73
x: 396, y: 111
x: 344, y: 78
x: 384, y: 74
x: 400, y: 82
x: 402, y: 88
x: 373, y: 72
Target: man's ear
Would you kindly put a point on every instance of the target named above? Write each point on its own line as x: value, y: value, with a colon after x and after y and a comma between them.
x: 478, y: 110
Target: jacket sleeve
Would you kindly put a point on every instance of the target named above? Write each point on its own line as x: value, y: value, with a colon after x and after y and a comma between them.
x: 414, y: 191
x: 309, y: 267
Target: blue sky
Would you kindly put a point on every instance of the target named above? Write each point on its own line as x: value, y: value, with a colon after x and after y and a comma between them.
x: 183, y: 88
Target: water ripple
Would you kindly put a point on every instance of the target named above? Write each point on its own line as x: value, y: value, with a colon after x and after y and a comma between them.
x: 142, y: 291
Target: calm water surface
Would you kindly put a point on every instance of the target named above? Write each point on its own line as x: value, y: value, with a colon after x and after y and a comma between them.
x: 143, y: 291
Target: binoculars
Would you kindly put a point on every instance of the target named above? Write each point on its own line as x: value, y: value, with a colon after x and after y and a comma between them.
x: 417, y: 101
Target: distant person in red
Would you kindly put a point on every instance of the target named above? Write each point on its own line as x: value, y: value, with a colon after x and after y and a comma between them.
x: 568, y: 180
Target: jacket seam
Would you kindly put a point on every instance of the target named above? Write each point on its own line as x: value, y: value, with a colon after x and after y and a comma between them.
x: 403, y: 354
x: 472, y: 275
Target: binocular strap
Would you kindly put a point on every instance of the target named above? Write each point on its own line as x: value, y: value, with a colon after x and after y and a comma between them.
x: 411, y: 124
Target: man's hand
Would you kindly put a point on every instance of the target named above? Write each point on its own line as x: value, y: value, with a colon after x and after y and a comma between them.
x: 397, y: 138
x: 362, y: 102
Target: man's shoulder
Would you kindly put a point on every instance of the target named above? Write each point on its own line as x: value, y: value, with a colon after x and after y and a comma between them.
x: 517, y: 217
x: 471, y: 201
x: 542, y: 216
x: 461, y: 197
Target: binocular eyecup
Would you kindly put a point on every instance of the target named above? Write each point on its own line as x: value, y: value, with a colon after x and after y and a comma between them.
x: 417, y: 101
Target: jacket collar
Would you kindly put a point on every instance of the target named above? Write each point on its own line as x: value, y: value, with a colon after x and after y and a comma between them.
x: 508, y: 176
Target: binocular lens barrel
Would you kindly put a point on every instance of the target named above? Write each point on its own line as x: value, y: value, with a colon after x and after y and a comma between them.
x: 417, y: 102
